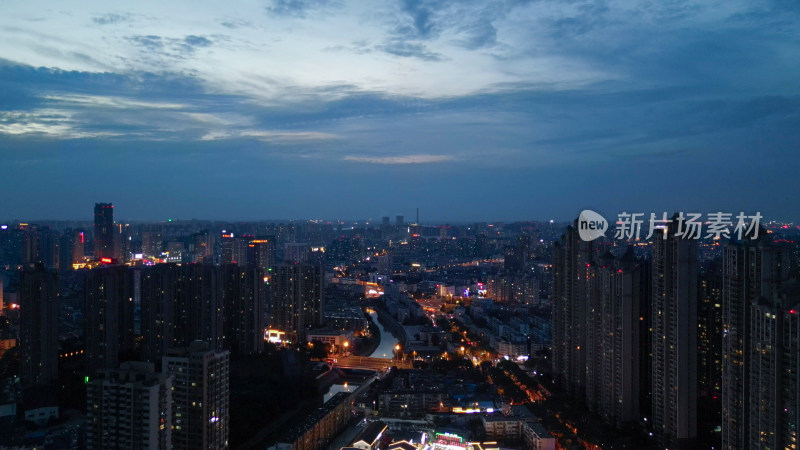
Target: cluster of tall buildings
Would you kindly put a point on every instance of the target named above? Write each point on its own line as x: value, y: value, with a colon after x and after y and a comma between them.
x: 158, y: 338
x: 177, y: 395
x: 635, y: 338
x: 186, y: 405
x: 37, y: 244
x: 761, y: 356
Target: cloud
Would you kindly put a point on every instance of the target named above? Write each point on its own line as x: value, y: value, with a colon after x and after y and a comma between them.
x: 480, y: 33
x: 107, y: 101
x: 409, y: 50
x: 651, y: 94
x: 420, y: 13
x: 149, y: 43
x: 193, y: 41
x: 403, y: 159
x: 275, y: 137
x: 157, y: 47
x: 111, y: 19
x: 45, y: 123
x: 234, y: 23
x: 296, y: 8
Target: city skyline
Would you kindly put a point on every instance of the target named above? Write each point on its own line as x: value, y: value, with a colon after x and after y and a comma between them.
x: 219, y: 330
x: 400, y: 224
x: 642, y: 216
x: 502, y: 110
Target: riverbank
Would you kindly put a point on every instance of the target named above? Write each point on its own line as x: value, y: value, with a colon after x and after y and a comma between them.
x: 374, y: 340
x: 388, y: 338
x: 392, y: 325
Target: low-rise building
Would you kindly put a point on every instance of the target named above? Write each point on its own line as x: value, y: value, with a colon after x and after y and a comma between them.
x: 536, y: 437
x: 369, y: 438
x: 330, y: 336
x: 320, y: 427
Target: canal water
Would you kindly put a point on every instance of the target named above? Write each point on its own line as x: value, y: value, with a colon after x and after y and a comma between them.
x: 386, y: 348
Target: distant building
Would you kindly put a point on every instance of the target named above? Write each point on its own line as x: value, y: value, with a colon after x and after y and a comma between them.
x: 39, y: 297
x: 572, y: 259
x: 202, y: 247
x: 297, y: 298
x: 109, y: 315
x: 71, y: 248
x: 103, y: 231
x: 180, y: 304
x: 123, y: 244
x: 152, y: 240
x: 515, y: 258
x: 243, y: 291
x: 295, y: 252
x: 709, y: 330
x: 234, y: 249
x: 514, y: 288
x: 261, y: 253
x: 612, y: 345
x: 129, y: 407
x: 201, y: 396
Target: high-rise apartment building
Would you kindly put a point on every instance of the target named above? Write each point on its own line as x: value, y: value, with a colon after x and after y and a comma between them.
x: 297, y: 297
x: 674, y: 338
x: 613, y: 339
x: 572, y: 261
x: 103, y: 230
x: 201, y: 396
x: 129, y: 407
x: 72, y: 245
x: 261, y: 253
x: 773, y: 407
x: 243, y: 290
x: 203, y: 247
x: 38, y: 331
x: 41, y: 246
x: 109, y: 315
x: 753, y: 270
x: 179, y: 304
x: 709, y: 329
x: 235, y: 248
x: 152, y: 240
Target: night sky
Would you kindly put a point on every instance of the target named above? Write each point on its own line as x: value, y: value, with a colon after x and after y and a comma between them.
x: 490, y: 110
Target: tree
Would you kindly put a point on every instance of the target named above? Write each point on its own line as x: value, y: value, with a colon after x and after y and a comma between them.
x: 318, y: 350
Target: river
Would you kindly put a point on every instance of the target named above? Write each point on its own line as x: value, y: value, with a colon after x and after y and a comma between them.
x: 386, y: 348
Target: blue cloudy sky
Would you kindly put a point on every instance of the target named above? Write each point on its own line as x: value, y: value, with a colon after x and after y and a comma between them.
x: 490, y: 110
